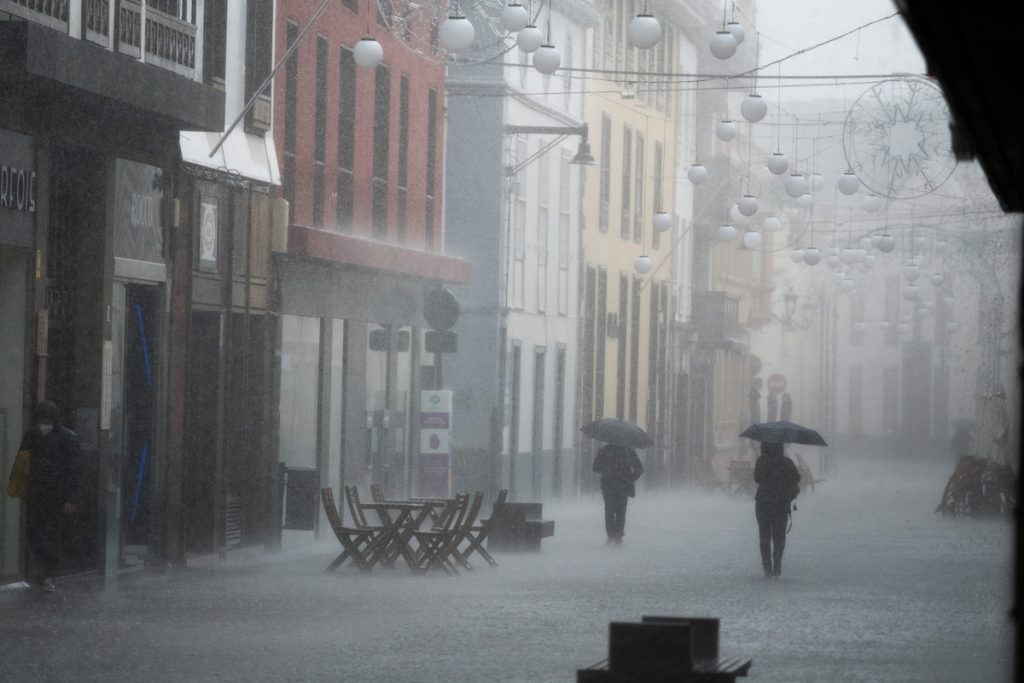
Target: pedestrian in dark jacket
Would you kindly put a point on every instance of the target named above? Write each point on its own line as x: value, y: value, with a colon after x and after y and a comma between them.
x: 53, y: 487
x: 619, y: 467
x: 778, y: 483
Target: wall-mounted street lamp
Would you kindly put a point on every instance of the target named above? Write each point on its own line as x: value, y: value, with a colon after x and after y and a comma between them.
x: 583, y: 155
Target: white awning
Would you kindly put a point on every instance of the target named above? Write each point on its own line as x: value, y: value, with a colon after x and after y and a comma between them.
x: 251, y: 156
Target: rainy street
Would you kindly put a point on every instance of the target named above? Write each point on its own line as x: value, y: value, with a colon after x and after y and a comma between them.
x: 876, y: 587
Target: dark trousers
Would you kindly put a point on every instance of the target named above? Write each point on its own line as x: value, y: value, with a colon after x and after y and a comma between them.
x: 615, y: 512
x: 44, y: 523
x: 771, y: 527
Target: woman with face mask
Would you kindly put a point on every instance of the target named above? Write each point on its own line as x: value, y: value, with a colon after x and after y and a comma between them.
x: 53, y: 487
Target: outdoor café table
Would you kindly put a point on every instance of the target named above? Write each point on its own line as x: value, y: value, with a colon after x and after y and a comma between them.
x: 396, y: 539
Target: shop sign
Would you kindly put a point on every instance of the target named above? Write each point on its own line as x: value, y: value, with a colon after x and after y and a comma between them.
x: 435, y: 449
x: 17, y: 188
x: 138, y: 196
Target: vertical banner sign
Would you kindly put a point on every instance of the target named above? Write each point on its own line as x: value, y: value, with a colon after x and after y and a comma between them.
x: 435, y: 453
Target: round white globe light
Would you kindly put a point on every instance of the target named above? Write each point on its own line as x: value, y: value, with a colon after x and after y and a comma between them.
x: 529, y: 39
x: 875, y: 239
x: 725, y: 233
x: 662, y: 221
x: 723, y: 45
x: 871, y: 202
x: 747, y: 205
x: 812, y: 256
x: 848, y: 182
x: 833, y: 261
x: 736, y: 30
x: 457, y: 33
x: 817, y: 182
x: 514, y: 17
x: 847, y: 284
x: 778, y: 163
x: 859, y: 255
x: 796, y: 185
x: 838, y: 277
x: 726, y: 130
x: 870, y: 260
x: 644, y: 31
x: 754, y: 108
x: 910, y: 291
x: 886, y: 244
x: 805, y: 200
x: 547, y: 59
x: 937, y: 279
x: 643, y: 264
x: 752, y: 239
x: 848, y: 256
x: 771, y: 224
x: 797, y: 255
x: 697, y: 174
x: 911, y: 272
x: 368, y: 53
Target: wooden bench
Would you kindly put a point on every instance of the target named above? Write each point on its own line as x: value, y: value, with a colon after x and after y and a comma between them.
x: 662, y: 649
x: 519, y: 527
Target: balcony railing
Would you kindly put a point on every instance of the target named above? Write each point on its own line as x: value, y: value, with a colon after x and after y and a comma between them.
x: 170, y: 39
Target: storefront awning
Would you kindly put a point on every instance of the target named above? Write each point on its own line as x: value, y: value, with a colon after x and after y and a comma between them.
x: 250, y: 156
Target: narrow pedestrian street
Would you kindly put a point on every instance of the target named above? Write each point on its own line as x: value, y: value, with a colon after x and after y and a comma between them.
x: 876, y: 587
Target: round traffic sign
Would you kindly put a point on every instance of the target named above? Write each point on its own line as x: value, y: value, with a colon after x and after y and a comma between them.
x: 440, y: 308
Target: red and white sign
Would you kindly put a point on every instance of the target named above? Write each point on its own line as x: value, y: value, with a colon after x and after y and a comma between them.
x: 776, y: 383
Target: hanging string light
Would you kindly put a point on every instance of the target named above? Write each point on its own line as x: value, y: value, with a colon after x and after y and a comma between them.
x: 368, y: 53
x: 723, y: 43
x: 514, y: 17
x: 457, y: 32
x: 644, y: 30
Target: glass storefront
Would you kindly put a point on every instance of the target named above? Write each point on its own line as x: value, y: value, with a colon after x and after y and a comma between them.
x: 300, y: 368
x: 12, y: 350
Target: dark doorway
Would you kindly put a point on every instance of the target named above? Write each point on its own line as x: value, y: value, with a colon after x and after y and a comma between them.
x: 201, y: 439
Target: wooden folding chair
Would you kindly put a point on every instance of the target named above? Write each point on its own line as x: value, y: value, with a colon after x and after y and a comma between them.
x: 355, y: 508
x: 478, y: 534
x: 377, y: 493
x: 356, y: 542
x: 440, y: 547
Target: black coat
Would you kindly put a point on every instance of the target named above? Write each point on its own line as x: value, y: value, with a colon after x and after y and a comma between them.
x: 778, y: 481
x: 54, y: 472
x: 619, y: 467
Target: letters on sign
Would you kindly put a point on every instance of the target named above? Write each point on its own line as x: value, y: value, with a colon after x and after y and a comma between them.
x: 17, y: 189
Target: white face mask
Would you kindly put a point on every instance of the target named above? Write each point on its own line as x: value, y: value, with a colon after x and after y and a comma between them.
x: 45, y: 429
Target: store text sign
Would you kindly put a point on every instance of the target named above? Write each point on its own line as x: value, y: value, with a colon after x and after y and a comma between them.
x: 17, y: 188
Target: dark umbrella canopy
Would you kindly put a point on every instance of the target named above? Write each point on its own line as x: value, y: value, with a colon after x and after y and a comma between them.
x: 783, y: 431
x: 612, y: 430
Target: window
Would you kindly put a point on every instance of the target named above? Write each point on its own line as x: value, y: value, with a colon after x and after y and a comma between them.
x: 519, y: 234
x: 892, y: 310
x: 543, y: 216
x: 319, y: 131
x: 606, y: 172
x: 403, y: 155
x: 537, y: 432
x: 620, y: 379
x: 638, y: 199
x: 659, y: 197
x: 513, y: 425
x: 291, y: 104
x: 346, y: 139
x: 857, y: 322
x: 627, y: 181
x: 381, y: 140
x: 431, y: 167
x: 600, y: 340
x: 634, y: 351
x: 559, y: 419
x: 856, y: 399
x: 564, y: 197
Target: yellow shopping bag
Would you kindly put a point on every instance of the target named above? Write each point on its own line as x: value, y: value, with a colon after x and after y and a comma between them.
x: 17, y: 483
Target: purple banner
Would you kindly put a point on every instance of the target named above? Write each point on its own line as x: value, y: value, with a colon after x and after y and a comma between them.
x: 434, y: 420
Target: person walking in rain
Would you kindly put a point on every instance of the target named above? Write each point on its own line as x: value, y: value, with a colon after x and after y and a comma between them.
x: 778, y: 483
x: 53, y: 487
x: 619, y: 467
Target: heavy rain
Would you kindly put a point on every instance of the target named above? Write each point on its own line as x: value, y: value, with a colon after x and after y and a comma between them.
x: 563, y: 340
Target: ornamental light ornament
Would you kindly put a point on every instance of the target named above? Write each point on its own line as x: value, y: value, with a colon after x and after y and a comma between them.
x: 796, y: 185
x: 644, y: 31
x: 723, y: 45
x: 886, y: 244
x: 812, y: 256
x: 871, y: 202
x: 529, y: 39
x: 514, y: 17
x: 726, y: 130
x: 725, y: 233
x: 848, y: 183
x: 662, y: 221
x: 805, y: 200
x: 771, y: 224
x: 797, y: 255
x: 736, y: 29
x: 911, y: 271
x: 697, y: 174
x: 747, y: 205
x: 643, y: 264
x: 368, y: 53
x: 754, y: 108
x: 457, y: 33
x: 778, y: 163
x: 547, y: 59
x: 752, y: 239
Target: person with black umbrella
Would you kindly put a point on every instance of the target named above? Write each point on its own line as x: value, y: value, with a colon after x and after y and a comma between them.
x: 778, y: 483
x: 619, y: 467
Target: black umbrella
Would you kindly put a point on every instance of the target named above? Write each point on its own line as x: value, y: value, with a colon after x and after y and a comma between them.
x: 612, y: 430
x: 783, y: 431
